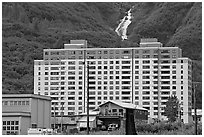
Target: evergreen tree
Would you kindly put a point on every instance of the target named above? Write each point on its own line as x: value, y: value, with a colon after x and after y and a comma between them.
x: 171, y: 109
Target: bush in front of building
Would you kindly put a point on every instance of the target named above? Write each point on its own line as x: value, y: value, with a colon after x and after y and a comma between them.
x: 163, y: 128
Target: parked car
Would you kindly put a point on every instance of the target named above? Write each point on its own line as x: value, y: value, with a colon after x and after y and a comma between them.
x: 112, y: 127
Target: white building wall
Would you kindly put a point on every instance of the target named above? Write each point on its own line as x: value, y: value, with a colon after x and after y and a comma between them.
x: 99, y: 95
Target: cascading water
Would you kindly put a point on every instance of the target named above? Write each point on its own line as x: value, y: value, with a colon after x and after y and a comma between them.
x: 121, y: 30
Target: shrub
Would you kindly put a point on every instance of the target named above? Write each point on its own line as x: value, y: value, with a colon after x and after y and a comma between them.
x: 168, y: 129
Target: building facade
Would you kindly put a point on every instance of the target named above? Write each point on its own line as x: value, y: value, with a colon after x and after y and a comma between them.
x: 23, y: 111
x: 145, y: 76
x: 117, y: 112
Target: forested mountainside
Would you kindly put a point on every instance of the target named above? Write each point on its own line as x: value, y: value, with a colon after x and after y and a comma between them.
x: 28, y: 28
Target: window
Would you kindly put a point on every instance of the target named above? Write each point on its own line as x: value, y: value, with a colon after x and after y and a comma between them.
x: 145, y: 56
x: 27, y: 102
x: 125, y: 62
x: 124, y: 77
x: 136, y: 72
x: 117, y: 92
x: 125, y: 98
x: 125, y: 67
x: 117, y: 62
x: 146, y: 92
x: 117, y: 77
x: 145, y: 87
x: 145, y: 67
x: 126, y: 52
x: 33, y: 125
x: 46, y: 53
x: 145, y: 103
x: 146, y: 61
x: 145, y: 72
x: 52, y: 73
x: 165, y: 87
x: 117, y: 67
x: 145, y: 77
x: 136, y: 87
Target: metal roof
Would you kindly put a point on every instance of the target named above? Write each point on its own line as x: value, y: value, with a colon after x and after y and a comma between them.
x: 84, y: 118
x: 124, y: 105
x: 6, y: 96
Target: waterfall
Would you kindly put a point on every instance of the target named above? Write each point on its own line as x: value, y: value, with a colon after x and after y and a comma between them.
x: 121, y: 30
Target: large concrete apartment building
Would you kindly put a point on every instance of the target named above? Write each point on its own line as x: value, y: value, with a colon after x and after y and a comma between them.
x: 145, y: 76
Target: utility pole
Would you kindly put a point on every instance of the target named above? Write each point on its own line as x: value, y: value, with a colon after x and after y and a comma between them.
x: 194, y: 104
x: 61, y: 117
x: 159, y: 85
x: 54, y: 117
x: 87, y: 98
x: 179, y: 116
x: 195, y: 111
x: 60, y: 103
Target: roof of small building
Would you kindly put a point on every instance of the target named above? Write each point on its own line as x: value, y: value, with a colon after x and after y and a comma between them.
x: 84, y: 118
x: 4, y: 96
x: 124, y: 105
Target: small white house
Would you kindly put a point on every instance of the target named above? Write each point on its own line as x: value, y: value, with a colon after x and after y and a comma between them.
x: 82, y: 122
x: 198, y: 113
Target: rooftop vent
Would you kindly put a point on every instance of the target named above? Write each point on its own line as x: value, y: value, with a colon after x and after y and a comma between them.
x: 76, y: 44
x: 150, y: 42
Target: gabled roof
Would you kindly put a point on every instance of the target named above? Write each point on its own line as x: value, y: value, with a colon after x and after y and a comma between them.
x: 124, y: 105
